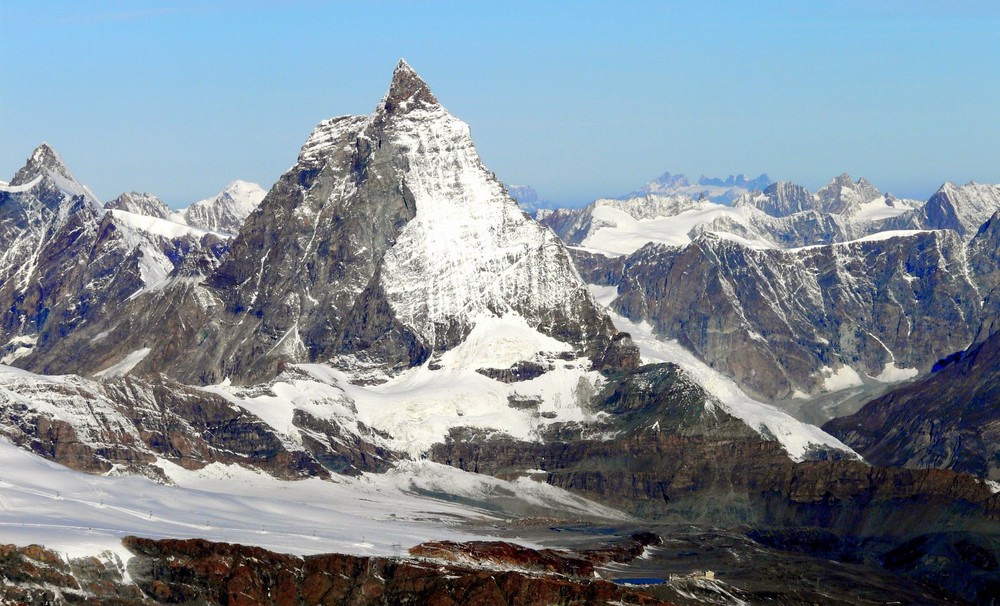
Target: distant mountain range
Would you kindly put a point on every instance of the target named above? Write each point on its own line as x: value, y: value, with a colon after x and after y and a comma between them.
x: 386, y: 327
x: 722, y: 191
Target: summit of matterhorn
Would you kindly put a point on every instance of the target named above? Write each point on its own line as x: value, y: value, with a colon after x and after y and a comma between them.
x: 383, y: 247
x: 397, y: 209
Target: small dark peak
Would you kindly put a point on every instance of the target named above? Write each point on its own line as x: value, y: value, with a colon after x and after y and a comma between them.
x: 407, y: 91
x: 44, y: 160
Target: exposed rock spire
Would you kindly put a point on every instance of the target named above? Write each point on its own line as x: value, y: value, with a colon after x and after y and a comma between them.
x: 406, y: 92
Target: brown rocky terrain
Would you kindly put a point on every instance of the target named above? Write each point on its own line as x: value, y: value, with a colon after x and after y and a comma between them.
x: 200, y: 572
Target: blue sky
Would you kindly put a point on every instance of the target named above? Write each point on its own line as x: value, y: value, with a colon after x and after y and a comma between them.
x: 579, y: 99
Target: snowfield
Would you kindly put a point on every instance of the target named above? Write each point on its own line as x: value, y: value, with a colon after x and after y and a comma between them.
x: 621, y: 233
x: 78, y: 514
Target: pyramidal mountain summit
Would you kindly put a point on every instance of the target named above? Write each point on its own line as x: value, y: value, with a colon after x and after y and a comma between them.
x: 382, y: 352
x: 384, y: 244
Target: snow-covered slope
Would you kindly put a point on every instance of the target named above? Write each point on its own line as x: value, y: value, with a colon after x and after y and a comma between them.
x: 140, y: 204
x: 797, y: 438
x: 226, y: 211
x: 469, y: 251
x: 161, y: 227
x: 781, y: 215
x: 380, y: 514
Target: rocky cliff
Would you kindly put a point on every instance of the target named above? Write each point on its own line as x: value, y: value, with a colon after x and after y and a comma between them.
x: 386, y: 243
x: 200, y: 572
x: 126, y: 425
x: 948, y: 420
x: 822, y: 317
x: 140, y: 204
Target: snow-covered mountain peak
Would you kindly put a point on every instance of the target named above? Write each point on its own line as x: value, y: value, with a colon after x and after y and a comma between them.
x: 845, y: 196
x: 226, y: 211
x: 243, y: 189
x: 963, y: 208
x: 385, y: 244
x: 406, y: 92
x: 469, y: 249
x: 45, y: 162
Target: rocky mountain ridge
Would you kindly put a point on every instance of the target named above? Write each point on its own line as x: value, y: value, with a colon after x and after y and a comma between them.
x: 388, y: 302
x: 948, y: 419
x: 312, y: 277
x: 802, y: 321
x: 782, y: 215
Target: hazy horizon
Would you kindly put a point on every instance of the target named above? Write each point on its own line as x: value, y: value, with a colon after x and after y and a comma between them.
x: 578, y: 100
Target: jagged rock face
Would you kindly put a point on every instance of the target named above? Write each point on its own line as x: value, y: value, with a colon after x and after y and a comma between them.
x: 384, y: 243
x: 227, y: 211
x: 844, y: 196
x: 125, y: 424
x: 984, y: 266
x: 69, y: 265
x: 963, y: 208
x: 948, y: 420
x: 62, y: 258
x: 141, y: 204
x: 774, y: 320
x: 779, y: 199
